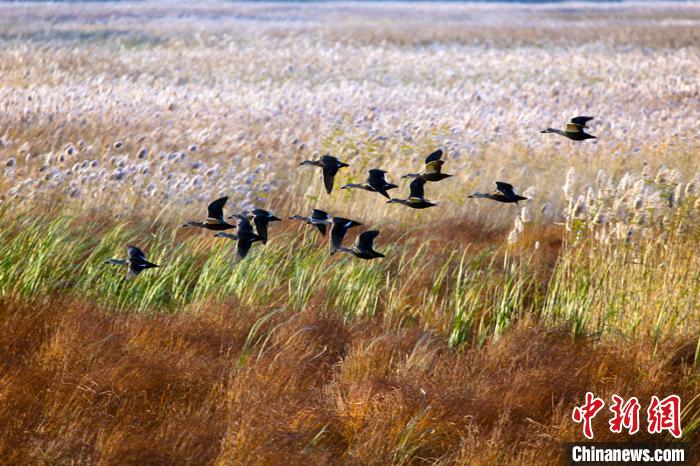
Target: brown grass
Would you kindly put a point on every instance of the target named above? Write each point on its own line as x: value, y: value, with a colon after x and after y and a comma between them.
x: 89, y: 386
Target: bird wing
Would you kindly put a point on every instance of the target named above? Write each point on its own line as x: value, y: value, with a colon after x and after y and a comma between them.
x: 319, y: 214
x: 376, y: 176
x: 573, y: 128
x: 434, y: 167
x: 338, y: 232
x: 330, y: 160
x: 437, y: 155
x: 365, y: 242
x: 243, y: 224
x: 135, y: 254
x: 261, y: 227
x: 581, y: 120
x: 416, y: 188
x: 329, y: 172
x: 505, y: 188
x: 260, y: 213
x: 321, y: 227
x: 216, y: 209
x: 243, y: 246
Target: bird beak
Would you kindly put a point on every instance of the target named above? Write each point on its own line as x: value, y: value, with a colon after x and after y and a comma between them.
x: 275, y: 219
x: 343, y: 164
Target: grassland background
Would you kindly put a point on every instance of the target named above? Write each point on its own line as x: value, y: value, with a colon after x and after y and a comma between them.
x: 469, y: 344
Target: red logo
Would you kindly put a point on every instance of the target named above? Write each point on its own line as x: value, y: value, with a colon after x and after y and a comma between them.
x: 587, y: 412
x: 624, y: 415
x: 661, y: 415
x: 665, y: 415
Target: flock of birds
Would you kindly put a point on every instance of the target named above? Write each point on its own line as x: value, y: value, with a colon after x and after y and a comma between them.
x: 376, y: 181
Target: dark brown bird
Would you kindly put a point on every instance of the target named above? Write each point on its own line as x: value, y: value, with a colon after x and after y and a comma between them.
x: 416, y: 199
x: 432, y: 170
x: 364, y: 246
x: 330, y: 166
x: 574, y: 129
x: 339, y: 228
x: 215, y: 217
x: 504, y: 193
x: 245, y: 236
x: 261, y: 219
x: 136, y: 261
x: 376, y: 182
x: 319, y: 219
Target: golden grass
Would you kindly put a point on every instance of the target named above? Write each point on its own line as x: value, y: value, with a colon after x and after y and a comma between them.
x: 84, y: 385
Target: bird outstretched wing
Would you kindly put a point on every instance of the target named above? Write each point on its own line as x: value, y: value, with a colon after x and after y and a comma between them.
x: 135, y: 254
x: 365, y: 242
x: 215, y: 210
x: 243, y: 246
x: 581, y: 120
x: 573, y: 128
x: 338, y: 232
x: 243, y: 224
x: 416, y: 188
x: 437, y: 155
x: 505, y: 188
x: 434, y: 167
x: 329, y: 172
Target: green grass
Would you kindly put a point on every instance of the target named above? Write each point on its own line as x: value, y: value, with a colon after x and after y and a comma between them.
x: 471, y: 296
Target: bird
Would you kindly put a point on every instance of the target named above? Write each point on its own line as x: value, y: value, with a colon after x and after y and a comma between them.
x: 339, y: 228
x: 215, y: 217
x: 432, y: 170
x: 330, y: 166
x: 504, y: 193
x: 136, y: 261
x: 261, y: 218
x: 245, y: 236
x: 417, y: 199
x: 364, y: 246
x: 574, y: 129
x: 319, y: 219
x: 376, y: 182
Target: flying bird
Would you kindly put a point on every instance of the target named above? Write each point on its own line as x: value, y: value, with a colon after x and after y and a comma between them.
x: 215, y: 217
x: 319, y: 219
x: 339, y: 228
x: 504, y: 193
x: 574, y: 129
x: 376, y: 182
x: 432, y: 170
x: 330, y: 166
x: 261, y: 218
x: 364, y: 246
x: 416, y: 199
x: 136, y: 261
x: 245, y: 237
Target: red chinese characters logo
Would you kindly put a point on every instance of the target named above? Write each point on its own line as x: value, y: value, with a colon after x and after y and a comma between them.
x: 587, y: 412
x: 624, y: 415
x: 665, y: 415
x: 662, y: 415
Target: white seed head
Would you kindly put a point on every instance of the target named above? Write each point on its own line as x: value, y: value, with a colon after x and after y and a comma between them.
x: 525, y: 215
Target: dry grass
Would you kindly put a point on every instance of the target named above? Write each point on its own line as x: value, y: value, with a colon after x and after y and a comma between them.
x: 88, y: 386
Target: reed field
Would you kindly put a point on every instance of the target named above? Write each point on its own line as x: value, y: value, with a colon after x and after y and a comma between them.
x: 470, y: 343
